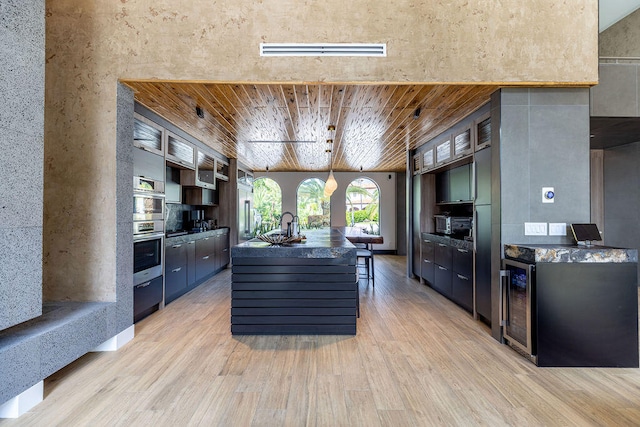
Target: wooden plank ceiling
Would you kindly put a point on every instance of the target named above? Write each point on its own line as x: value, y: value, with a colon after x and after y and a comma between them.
x: 285, y: 126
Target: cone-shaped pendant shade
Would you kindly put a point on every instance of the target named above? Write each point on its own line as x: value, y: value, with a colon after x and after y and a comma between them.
x: 331, y: 185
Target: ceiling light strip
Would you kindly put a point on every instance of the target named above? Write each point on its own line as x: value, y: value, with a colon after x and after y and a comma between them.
x: 323, y: 49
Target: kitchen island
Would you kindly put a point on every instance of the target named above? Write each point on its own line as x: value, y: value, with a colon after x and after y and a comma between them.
x: 584, y: 304
x: 298, y: 288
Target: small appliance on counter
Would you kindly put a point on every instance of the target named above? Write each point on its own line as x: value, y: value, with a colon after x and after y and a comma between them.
x: 196, y: 219
x: 446, y: 224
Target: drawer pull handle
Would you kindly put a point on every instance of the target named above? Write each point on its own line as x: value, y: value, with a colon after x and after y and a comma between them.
x: 225, y: 250
x: 427, y: 241
x: 175, y: 270
x: 441, y: 268
x: 426, y: 260
x: 440, y: 244
x: 205, y: 257
x: 176, y: 246
x: 191, y: 242
x: 143, y: 285
x: 464, y: 251
x: 462, y: 277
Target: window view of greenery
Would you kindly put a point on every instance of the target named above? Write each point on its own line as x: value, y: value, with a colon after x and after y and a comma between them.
x: 363, y: 205
x: 267, y: 203
x: 314, y: 209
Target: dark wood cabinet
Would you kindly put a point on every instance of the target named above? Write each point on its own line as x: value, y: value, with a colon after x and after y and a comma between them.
x: 462, y: 278
x: 442, y: 280
x: 460, y: 184
x: 188, y: 263
x: 205, y: 257
x: 444, y: 255
x: 454, y: 185
x: 147, y: 297
x: 176, y: 267
x: 428, y: 261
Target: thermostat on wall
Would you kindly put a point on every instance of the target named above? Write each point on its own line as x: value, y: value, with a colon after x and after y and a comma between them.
x: 548, y: 194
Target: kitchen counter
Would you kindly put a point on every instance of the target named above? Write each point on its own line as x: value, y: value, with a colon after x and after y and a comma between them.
x: 299, y: 288
x: 449, y: 241
x: 529, y: 253
x: 320, y: 244
x: 191, y: 236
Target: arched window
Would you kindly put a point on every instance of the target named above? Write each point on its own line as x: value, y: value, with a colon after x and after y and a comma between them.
x: 313, y: 208
x: 267, y: 202
x: 363, y: 205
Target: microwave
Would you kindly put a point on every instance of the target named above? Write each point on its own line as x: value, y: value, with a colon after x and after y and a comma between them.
x: 147, y: 185
x: 453, y: 224
x: 148, y: 207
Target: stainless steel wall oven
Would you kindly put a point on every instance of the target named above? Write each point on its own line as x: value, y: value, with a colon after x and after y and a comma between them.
x: 147, y: 257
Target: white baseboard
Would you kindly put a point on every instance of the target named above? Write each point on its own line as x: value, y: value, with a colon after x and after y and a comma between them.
x: 23, y: 402
x: 116, y: 342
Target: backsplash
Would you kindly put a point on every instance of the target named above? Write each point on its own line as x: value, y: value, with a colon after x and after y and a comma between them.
x: 174, y: 215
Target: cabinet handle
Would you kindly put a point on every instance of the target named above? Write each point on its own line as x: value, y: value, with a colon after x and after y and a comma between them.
x: 175, y: 270
x: 464, y: 251
x: 225, y: 250
x: 427, y: 241
x: 191, y: 242
x: 441, y: 268
x: 144, y: 285
x: 462, y: 277
x: 176, y: 246
x: 206, y: 238
x: 205, y: 257
x: 426, y: 260
x: 440, y: 244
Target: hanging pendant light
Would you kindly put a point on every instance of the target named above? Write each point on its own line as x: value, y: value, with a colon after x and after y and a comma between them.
x: 331, y: 184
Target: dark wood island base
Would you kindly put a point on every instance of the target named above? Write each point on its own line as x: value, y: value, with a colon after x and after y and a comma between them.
x: 298, y: 289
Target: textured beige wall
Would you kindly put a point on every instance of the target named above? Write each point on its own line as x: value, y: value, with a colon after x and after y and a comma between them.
x: 623, y: 38
x: 91, y: 44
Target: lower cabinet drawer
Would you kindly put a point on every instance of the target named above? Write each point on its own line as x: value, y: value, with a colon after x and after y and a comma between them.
x: 442, y: 281
x: 146, y: 297
x: 175, y: 282
x: 462, y: 291
x: 428, y: 270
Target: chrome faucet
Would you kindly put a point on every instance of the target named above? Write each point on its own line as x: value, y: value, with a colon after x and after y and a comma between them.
x: 291, y: 230
x: 288, y: 224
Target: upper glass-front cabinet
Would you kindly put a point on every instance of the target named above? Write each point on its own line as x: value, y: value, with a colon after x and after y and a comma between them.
x: 462, y: 143
x: 428, y: 161
x: 206, y: 171
x: 245, y: 177
x: 417, y: 165
x: 148, y: 135
x: 222, y: 170
x: 179, y: 151
x: 483, y: 131
x: 443, y: 151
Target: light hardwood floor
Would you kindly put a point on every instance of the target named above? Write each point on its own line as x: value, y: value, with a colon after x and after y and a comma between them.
x: 417, y: 360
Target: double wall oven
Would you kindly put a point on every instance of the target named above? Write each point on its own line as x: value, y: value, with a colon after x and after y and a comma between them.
x: 148, y: 245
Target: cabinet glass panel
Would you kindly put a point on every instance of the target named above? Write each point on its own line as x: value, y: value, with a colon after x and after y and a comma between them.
x: 427, y: 159
x: 462, y: 143
x: 206, y: 170
x: 443, y: 151
x: 222, y: 170
x: 180, y: 151
x: 416, y: 165
x: 147, y: 136
x: 483, y: 130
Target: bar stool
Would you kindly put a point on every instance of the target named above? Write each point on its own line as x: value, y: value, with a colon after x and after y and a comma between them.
x: 365, y: 255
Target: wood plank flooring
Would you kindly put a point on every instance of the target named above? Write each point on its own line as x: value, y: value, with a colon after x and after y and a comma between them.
x: 417, y: 360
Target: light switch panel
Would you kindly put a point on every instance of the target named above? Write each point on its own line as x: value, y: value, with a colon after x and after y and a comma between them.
x: 557, y: 229
x: 535, y: 228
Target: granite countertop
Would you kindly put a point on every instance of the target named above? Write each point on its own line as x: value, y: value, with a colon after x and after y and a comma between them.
x: 530, y: 253
x: 189, y: 237
x: 448, y: 240
x: 323, y: 243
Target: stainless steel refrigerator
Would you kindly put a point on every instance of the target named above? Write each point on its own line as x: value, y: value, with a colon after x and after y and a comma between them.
x: 245, y: 213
